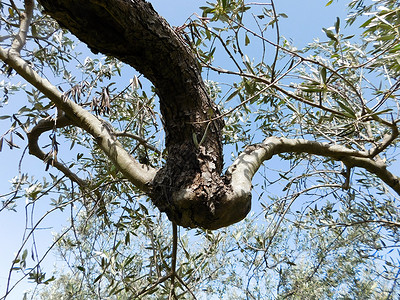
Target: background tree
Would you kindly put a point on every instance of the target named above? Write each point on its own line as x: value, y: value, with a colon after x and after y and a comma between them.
x: 328, y: 113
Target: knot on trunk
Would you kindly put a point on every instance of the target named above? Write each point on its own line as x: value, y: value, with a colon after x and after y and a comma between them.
x: 191, y: 191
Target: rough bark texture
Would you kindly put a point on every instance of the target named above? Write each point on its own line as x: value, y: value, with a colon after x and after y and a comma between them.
x: 189, y: 188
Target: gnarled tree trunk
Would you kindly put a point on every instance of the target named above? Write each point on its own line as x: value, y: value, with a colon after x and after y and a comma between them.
x: 189, y: 188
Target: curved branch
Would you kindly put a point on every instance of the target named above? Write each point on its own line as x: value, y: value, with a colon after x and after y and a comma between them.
x: 134, y: 33
x: 248, y: 162
x: 34, y: 149
x: 139, y: 174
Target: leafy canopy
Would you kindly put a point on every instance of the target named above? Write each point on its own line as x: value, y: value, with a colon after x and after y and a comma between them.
x: 320, y: 228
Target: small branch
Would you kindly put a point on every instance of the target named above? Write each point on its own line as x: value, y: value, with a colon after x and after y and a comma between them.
x: 139, y: 174
x: 141, y: 140
x: 33, y: 229
x: 387, y: 140
x: 285, y: 211
x: 362, y: 222
x: 388, y: 94
x: 310, y: 60
x: 25, y: 21
x: 152, y: 286
x: 174, y: 247
x: 272, y: 84
x: 4, y: 37
x: 13, y: 194
x: 223, y: 44
x: 186, y: 286
x: 277, y: 40
x: 10, y: 288
x: 34, y: 149
x: 258, y: 3
x: 275, y: 85
x: 172, y: 273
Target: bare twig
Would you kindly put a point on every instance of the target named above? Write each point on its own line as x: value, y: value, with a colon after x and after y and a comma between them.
x: 9, y: 287
x: 186, y: 286
x: 151, y: 287
x: 222, y: 43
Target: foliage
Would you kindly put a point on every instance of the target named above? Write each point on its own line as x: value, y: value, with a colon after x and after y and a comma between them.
x: 320, y: 230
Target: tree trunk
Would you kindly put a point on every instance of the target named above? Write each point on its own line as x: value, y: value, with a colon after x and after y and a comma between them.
x: 189, y: 187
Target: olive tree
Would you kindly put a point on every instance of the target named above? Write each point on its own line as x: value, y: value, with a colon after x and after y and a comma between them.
x: 329, y: 112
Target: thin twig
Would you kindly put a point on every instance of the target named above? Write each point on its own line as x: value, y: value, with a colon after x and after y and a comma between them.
x: 277, y: 40
x: 152, y: 286
x: 141, y: 140
x: 303, y: 58
x: 9, y: 288
x: 269, y: 85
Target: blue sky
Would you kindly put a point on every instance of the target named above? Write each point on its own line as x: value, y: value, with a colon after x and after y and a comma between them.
x: 305, y: 20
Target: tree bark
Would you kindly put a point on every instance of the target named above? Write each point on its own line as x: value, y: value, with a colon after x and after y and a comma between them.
x: 189, y: 187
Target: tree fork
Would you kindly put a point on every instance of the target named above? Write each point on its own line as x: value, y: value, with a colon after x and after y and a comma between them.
x: 189, y: 188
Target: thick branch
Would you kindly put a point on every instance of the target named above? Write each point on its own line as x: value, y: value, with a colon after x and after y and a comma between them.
x: 25, y: 21
x: 134, y: 33
x: 139, y: 174
x: 189, y: 187
x: 247, y: 164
